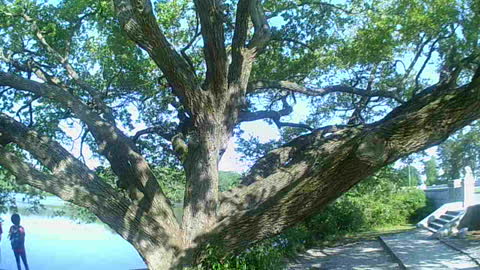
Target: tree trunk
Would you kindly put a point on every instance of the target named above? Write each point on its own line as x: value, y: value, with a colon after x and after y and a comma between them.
x: 201, y: 170
x: 201, y: 195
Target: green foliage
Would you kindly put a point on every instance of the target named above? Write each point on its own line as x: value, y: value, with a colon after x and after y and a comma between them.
x: 460, y: 150
x: 266, y: 255
x: 228, y: 180
x: 431, y: 171
x: 172, y: 182
x: 409, y: 176
x: 378, y: 201
x: 9, y: 188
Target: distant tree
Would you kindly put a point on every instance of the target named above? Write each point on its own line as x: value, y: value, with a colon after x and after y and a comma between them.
x: 9, y: 189
x: 460, y: 150
x: 409, y: 176
x: 431, y: 171
x: 228, y: 180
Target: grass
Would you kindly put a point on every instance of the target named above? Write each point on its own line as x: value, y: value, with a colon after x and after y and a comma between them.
x: 374, y: 233
x: 337, y: 240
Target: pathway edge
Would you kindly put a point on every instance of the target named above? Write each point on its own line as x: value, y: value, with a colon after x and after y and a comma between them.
x: 392, y: 253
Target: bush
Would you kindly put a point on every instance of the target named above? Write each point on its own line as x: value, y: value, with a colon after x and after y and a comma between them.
x: 266, y: 255
x: 376, y: 202
x: 423, y: 210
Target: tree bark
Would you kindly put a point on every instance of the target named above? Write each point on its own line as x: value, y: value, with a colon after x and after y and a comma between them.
x: 201, y: 194
x: 299, y: 179
x: 201, y: 170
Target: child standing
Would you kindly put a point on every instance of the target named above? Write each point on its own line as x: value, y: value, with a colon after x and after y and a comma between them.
x: 17, y: 239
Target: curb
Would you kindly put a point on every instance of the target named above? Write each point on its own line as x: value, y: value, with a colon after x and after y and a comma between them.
x: 390, y: 251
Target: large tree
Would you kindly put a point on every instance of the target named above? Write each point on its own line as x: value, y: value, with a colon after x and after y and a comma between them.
x: 396, y: 76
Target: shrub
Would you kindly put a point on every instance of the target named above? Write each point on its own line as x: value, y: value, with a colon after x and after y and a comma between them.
x: 377, y: 201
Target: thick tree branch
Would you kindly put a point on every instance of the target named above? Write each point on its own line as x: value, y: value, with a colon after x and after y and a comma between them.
x: 138, y: 21
x: 239, y: 59
x: 82, y: 192
x: 73, y: 181
x: 126, y: 162
x: 167, y: 135
x: 211, y: 14
x: 32, y: 67
x: 273, y: 115
x: 258, y: 115
x: 296, y: 88
x: 315, y: 169
x: 243, y: 55
x: 281, y: 124
x: 262, y: 33
x: 64, y: 168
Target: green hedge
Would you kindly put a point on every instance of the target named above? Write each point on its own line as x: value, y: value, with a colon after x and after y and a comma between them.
x: 359, y: 213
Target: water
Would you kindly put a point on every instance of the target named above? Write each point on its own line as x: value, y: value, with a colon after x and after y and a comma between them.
x: 61, y: 243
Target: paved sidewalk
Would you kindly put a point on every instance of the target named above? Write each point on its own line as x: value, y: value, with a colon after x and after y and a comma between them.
x: 360, y: 255
x: 468, y: 246
x: 418, y: 250
x: 415, y: 249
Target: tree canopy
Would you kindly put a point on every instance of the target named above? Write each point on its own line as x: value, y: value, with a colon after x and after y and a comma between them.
x: 381, y: 79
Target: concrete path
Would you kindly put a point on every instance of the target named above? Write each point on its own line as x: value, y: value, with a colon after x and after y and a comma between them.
x: 470, y: 247
x: 418, y: 250
x: 408, y: 250
x: 360, y: 255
